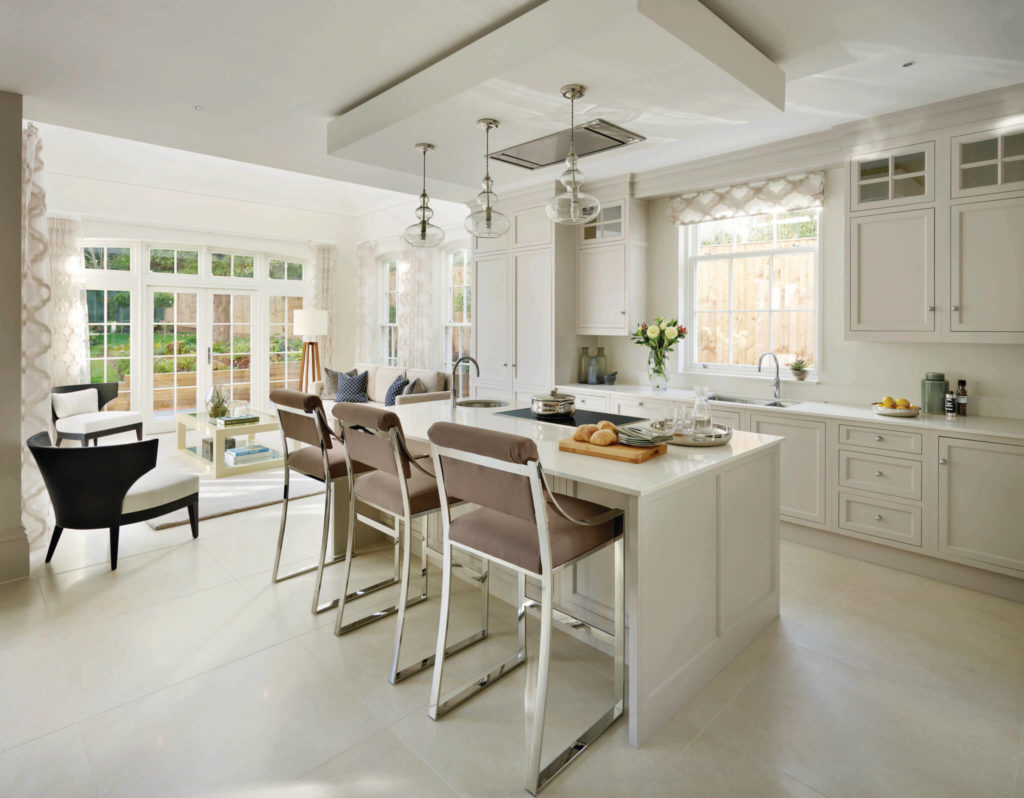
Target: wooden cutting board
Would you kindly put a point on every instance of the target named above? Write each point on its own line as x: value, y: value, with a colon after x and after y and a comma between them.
x: 624, y: 454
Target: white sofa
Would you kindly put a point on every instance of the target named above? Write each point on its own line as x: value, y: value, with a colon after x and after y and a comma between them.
x: 437, y: 383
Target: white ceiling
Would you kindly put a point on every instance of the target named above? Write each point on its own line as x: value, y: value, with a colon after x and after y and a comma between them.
x: 272, y: 76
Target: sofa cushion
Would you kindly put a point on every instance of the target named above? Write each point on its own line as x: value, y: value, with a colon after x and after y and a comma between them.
x: 432, y: 380
x: 97, y: 421
x: 394, y: 389
x: 74, y: 402
x: 352, y: 389
x: 158, y: 487
x: 415, y: 386
x: 331, y: 380
x: 380, y: 383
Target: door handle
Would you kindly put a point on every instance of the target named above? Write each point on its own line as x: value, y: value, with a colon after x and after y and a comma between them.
x: 209, y: 355
x: 878, y: 473
x: 943, y: 461
x: 955, y: 307
x: 930, y: 308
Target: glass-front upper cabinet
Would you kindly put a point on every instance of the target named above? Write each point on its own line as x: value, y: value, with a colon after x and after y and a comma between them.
x: 608, y: 224
x: 988, y: 162
x: 902, y: 176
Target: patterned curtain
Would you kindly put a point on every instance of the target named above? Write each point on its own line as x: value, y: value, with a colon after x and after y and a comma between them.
x: 416, y: 309
x: 789, y: 193
x: 366, y: 302
x: 68, y: 363
x: 323, y: 296
x: 36, y: 514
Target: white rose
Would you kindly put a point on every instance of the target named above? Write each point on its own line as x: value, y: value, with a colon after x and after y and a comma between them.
x: 671, y: 333
x: 653, y: 331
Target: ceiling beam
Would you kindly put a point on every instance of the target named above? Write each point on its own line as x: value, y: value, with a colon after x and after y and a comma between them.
x: 699, y: 29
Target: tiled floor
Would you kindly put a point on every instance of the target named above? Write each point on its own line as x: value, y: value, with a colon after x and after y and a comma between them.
x: 187, y: 673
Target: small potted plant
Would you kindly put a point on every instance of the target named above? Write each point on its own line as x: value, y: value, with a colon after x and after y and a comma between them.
x: 799, y: 369
x: 217, y: 403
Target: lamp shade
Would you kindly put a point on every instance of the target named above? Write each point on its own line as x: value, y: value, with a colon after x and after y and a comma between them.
x: 310, y: 322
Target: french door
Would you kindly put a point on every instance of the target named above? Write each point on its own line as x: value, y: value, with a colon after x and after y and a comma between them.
x: 198, y: 339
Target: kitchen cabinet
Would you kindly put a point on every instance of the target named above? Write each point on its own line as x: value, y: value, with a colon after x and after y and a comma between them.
x: 642, y: 408
x: 533, y: 353
x: 891, y: 276
x: 981, y: 503
x: 987, y: 268
x: 492, y: 340
x: 893, y: 177
x: 880, y: 518
x: 530, y: 227
x: 987, y: 162
x: 588, y: 401
x: 893, y: 476
x: 802, y: 473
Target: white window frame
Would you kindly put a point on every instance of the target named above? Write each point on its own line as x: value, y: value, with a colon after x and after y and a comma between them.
x: 448, y: 286
x: 389, y: 329
x: 689, y: 363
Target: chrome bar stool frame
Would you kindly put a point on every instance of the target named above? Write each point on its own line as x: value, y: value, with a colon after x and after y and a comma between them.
x: 401, y: 534
x: 537, y: 776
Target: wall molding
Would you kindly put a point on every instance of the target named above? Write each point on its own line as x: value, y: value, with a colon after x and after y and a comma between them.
x: 13, y: 554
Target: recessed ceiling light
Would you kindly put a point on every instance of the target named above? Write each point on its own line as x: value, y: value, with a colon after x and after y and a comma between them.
x: 203, y: 107
x: 906, y: 64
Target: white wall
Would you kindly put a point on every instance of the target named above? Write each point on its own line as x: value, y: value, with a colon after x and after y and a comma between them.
x: 851, y: 371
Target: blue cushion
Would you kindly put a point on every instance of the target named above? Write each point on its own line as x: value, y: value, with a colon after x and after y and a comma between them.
x: 394, y: 389
x: 352, y: 389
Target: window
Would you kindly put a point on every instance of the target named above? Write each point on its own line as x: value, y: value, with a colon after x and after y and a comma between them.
x: 174, y: 261
x: 285, y: 270
x: 753, y: 284
x: 115, y: 259
x: 175, y: 327
x: 223, y: 264
x: 458, y: 326
x: 607, y: 224
x: 231, y: 347
x: 389, y: 312
x: 285, y: 349
x: 109, y: 316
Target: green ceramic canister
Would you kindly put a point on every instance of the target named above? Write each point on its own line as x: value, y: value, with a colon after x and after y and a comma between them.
x: 933, y: 392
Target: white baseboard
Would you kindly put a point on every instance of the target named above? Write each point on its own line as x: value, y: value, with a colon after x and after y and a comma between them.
x: 13, y: 554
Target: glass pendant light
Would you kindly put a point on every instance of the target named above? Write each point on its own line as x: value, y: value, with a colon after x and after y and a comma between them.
x: 487, y: 222
x: 572, y: 206
x: 423, y: 233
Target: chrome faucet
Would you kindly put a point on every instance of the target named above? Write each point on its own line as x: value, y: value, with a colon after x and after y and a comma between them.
x: 772, y: 356
x: 455, y: 368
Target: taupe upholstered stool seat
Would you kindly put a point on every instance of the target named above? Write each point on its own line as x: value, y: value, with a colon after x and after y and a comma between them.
x: 302, y: 419
x: 401, y: 487
x: 523, y: 525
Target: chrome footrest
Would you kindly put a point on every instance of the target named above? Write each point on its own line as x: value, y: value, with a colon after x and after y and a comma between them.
x: 562, y: 760
x: 462, y: 694
x: 373, y: 616
x: 428, y: 662
x: 309, y: 570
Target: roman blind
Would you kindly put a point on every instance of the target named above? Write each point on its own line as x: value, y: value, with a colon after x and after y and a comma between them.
x: 789, y: 193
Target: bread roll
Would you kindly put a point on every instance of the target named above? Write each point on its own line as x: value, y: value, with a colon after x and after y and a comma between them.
x: 604, y: 424
x: 583, y: 433
x: 604, y: 437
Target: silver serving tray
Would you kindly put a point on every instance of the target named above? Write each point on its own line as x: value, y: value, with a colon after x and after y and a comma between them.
x: 719, y: 436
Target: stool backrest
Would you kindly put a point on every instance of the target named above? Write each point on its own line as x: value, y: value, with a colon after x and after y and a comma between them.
x: 302, y: 417
x: 507, y: 491
x: 371, y: 436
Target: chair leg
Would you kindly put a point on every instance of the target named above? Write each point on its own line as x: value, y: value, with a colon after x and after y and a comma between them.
x: 115, y: 533
x: 277, y: 576
x: 54, y: 539
x: 59, y: 439
x: 403, y: 596
x: 442, y: 629
x: 193, y: 518
x: 317, y: 607
x: 138, y: 433
x: 533, y: 772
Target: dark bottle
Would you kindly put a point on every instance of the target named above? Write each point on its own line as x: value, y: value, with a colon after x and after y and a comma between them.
x: 961, y: 397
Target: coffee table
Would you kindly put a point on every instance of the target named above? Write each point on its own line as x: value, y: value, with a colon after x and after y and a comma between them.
x: 202, y: 423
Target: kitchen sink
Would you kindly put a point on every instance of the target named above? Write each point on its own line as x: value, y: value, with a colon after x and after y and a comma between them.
x: 741, y: 400
x: 481, y: 403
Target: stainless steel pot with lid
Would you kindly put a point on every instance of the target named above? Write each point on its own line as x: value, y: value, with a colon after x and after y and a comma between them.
x: 553, y: 404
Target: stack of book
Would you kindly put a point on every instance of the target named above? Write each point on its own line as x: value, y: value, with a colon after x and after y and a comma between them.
x: 237, y: 421
x: 252, y: 453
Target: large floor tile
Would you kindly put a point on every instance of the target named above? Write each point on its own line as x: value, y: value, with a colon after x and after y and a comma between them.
x: 80, y: 548
x: 847, y: 732
x: 94, y: 593
x: 23, y: 614
x: 962, y: 646
x: 381, y: 766
x: 807, y: 577
x: 130, y: 655
x: 34, y: 696
x: 47, y: 767
x: 249, y: 726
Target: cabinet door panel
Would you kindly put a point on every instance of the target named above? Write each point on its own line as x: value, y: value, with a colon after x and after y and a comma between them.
x: 533, y: 357
x: 530, y: 227
x: 981, y: 504
x: 987, y: 277
x: 802, y: 469
x: 491, y: 325
x: 892, y: 272
x: 601, y: 289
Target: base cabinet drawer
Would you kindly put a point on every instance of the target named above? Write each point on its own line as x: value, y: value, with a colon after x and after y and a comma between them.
x: 590, y: 401
x: 881, y: 519
x: 876, y: 473
x: 908, y: 442
x: 642, y: 408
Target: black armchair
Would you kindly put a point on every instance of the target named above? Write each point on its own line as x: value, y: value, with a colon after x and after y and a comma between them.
x: 91, y: 424
x: 110, y: 486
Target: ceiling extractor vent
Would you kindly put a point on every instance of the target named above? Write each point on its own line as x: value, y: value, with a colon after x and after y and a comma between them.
x: 596, y: 136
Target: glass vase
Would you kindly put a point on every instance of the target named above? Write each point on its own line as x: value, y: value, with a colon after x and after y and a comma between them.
x: 657, y: 371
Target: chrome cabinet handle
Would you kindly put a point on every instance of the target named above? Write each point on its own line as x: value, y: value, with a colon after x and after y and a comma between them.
x: 955, y: 307
x: 504, y: 365
x: 878, y: 437
x: 878, y: 473
x: 930, y: 308
x: 943, y: 461
x: 622, y: 312
x: 878, y: 516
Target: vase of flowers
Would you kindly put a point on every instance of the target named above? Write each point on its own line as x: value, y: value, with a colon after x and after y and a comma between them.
x: 660, y: 339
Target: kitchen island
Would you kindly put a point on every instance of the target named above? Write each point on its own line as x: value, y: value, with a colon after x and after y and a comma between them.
x: 701, y: 546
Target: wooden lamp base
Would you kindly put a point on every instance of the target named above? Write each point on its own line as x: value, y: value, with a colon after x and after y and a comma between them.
x: 310, y: 365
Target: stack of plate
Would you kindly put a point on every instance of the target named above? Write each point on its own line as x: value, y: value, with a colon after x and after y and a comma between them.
x: 642, y: 436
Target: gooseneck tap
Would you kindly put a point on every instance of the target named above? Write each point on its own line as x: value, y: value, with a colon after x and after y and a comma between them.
x: 772, y: 356
x: 455, y: 368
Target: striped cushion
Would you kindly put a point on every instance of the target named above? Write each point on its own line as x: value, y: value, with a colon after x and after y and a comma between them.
x: 394, y: 389
x: 352, y: 389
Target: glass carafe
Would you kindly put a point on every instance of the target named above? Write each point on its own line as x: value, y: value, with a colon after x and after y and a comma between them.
x: 702, y: 424
x: 584, y: 364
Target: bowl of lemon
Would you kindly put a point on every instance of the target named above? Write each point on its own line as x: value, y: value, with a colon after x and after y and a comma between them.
x: 900, y: 408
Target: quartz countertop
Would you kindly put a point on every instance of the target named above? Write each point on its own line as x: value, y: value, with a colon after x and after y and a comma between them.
x: 636, y: 479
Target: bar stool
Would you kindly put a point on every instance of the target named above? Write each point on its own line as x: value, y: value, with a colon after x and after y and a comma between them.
x: 525, y: 526
x: 401, y: 487
x: 301, y: 416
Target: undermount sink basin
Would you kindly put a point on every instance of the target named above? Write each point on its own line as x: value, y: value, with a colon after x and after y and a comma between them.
x: 741, y: 400
x: 481, y: 403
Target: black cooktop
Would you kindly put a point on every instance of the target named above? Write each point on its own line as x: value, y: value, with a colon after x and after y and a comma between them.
x: 581, y: 417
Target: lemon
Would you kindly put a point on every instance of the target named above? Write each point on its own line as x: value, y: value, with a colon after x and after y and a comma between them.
x: 903, y: 404
x: 888, y: 401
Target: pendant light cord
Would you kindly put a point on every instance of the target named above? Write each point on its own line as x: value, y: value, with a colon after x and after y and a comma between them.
x: 572, y: 123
